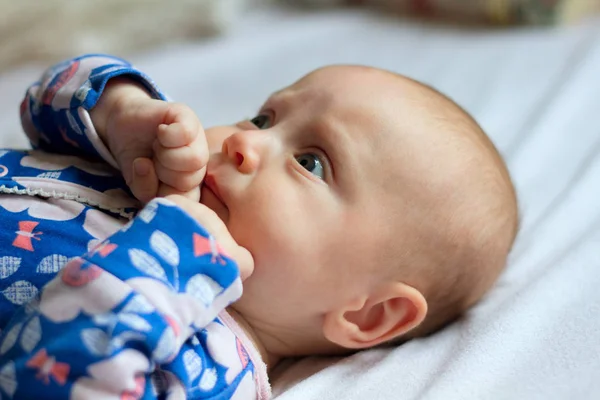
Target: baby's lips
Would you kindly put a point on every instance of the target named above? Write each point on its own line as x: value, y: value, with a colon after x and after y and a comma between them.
x: 211, y: 183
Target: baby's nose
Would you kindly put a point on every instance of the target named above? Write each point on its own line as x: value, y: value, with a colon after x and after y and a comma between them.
x: 242, y: 148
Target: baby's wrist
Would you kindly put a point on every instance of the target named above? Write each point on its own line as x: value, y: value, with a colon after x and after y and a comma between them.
x: 115, y: 97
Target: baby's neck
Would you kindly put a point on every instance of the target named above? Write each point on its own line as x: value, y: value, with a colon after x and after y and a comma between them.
x: 268, y: 358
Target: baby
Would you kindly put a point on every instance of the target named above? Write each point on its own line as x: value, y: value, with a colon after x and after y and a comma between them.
x: 359, y: 207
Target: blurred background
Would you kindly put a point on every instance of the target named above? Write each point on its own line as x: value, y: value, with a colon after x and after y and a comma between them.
x: 50, y: 30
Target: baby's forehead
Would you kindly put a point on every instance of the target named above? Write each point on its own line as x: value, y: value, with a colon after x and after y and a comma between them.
x: 335, y: 89
x: 370, y: 89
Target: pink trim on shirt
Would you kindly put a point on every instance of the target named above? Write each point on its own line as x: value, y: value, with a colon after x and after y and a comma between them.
x: 263, y: 387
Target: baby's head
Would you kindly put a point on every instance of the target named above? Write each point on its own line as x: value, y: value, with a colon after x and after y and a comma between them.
x: 376, y: 209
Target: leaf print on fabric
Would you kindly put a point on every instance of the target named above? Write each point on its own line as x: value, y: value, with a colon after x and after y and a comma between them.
x: 118, y: 342
x: 194, y: 341
x: 165, y: 346
x: 105, y: 319
x: 8, y: 378
x: 31, y: 335
x: 193, y: 364
x: 203, y: 288
x: 127, y: 226
x: 148, y: 213
x: 92, y: 244
x: 147, y: 264
x: 52, y: 264
x: 134, y: 321
x: 110, y: 321
x: 209, y: 379
x: 9, y: 265
x: 10, y: 339
x: 50, y: 175
x: 32, y: 306
x: 96, y: 341
x: 20, y: 292
x: 138, y: 305
x: 165, y: 247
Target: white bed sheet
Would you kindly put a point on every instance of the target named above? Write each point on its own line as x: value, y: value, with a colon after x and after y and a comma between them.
x: 537, y: 93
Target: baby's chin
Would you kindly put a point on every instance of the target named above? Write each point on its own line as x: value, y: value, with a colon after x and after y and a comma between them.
x: 208, y: 198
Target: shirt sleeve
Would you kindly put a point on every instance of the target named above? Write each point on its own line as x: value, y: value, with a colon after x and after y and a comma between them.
x: 111, y: 316
x: 55, y: 110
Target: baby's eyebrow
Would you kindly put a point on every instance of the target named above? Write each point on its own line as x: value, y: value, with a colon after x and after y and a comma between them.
x: 280, y: 98
x: 278, y: 93
x: 273, y: 97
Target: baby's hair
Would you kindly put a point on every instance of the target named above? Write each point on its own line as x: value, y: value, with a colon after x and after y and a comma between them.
x: 478, y: 241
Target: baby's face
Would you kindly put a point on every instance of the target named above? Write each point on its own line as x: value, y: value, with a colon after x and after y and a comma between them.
x: 306, y: 187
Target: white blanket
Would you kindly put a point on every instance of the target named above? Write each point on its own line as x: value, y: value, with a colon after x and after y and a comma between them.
x: 537, y: 93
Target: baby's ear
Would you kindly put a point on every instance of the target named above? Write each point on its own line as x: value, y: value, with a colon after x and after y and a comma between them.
x: 390, y: 311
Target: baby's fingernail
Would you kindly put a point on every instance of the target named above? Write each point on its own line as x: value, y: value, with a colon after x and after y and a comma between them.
x: 163, y: 126
x: 140, y: 167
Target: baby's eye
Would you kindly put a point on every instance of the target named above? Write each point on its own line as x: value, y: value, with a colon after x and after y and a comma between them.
x: 262, y: 121
x: 312, y: 163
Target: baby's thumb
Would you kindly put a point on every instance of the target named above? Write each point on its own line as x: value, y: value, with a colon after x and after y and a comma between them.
x: 144, y: 181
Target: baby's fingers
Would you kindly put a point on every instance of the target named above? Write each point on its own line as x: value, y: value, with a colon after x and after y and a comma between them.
x: 181, y: 181
x: 180, y: 126
x: 187, y: 158
x: 175, y: 135
x: 144, y: 181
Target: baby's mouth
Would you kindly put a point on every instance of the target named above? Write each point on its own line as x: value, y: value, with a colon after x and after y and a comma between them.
x: 211, y: 184
x: 211, y: 197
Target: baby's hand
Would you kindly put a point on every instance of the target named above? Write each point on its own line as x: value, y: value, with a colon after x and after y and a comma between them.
x: 160, y: 147
x: 215, y: 226
x: 180, y: 154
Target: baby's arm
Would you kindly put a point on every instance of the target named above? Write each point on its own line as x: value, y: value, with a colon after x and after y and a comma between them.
x: 102, y: 107
x: 109, y: 317
x: 55, y: 112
